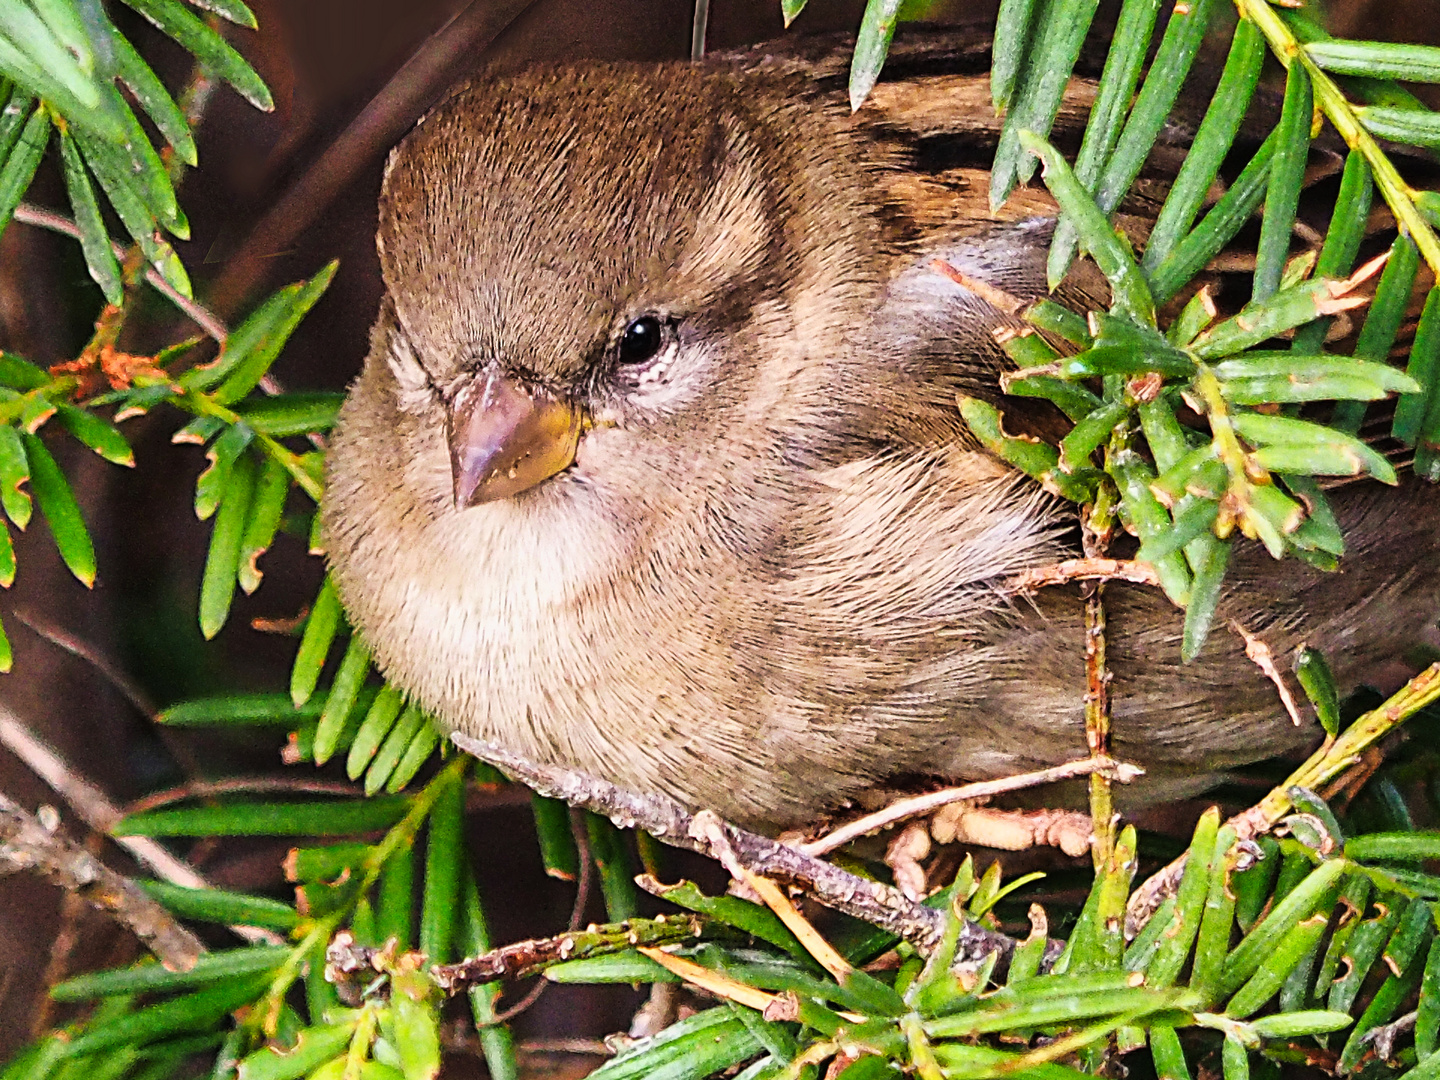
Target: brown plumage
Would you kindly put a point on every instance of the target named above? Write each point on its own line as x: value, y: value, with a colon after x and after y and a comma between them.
x: 768, y: 582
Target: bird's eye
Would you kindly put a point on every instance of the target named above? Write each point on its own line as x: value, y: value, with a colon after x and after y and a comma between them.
x: 641, y: 340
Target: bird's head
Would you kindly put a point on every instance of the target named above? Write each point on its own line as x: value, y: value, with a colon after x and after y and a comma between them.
x: 598, y: 273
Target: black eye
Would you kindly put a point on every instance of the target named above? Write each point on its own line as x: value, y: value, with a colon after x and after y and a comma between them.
x: 642, y: 340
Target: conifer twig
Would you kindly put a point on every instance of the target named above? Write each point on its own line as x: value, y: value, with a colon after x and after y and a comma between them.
x: 1325, y: 764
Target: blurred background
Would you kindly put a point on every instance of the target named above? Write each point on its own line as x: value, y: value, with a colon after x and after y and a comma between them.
x: 277, y: 196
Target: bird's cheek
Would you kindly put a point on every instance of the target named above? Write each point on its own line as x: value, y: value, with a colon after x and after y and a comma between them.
x: 601, y: 447
x: 426, y: 464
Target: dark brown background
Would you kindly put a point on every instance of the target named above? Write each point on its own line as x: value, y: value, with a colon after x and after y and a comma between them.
x: 276, y: 197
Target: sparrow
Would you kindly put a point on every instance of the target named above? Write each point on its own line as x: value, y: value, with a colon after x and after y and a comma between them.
x: 654, y: 470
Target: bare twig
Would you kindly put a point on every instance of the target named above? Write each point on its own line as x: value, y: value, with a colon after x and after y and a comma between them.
x: 1260, y: 654
x: 1350, y: 783
x: 481, y: 798
x: 711, y: 829
x: 26, y: 844
x: 997, y: 298
x: 1383, y: 1037
x: 77, y: 646
x: 660, y: 1009
x: 197, y: 313
x: 587, y: 870
x: 577, y: 916
x: 523, y: 1005
x: 1096, y: 529
x: 698, y: 26
x: 526, y: 958
x: 201, y: 789
x: 530, y: 958
x: 62, y: 948
x: 662, y: 817
x: 94, y: 808
x: 924, y: 804
x: 592, y: 1047
x: 1089, y: 569
x: 100, y: 814
x: 1097, y: 724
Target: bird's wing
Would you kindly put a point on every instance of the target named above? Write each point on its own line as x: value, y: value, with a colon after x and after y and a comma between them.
x: 957, y: 272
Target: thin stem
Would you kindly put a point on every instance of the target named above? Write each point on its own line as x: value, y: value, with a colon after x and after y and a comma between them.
x: 577, y: 917
x: 197, y: 313
x: 1097, y: 723
x: 873, y: 901
x: 1096, y: 530
x: 203, y: 405
x: 26, y: 843
x: 206, y: 789
x: 401, y: 835
x: 1352, y: 742
x: 93, y: 655
x: 1040, y: 577
x: 698, y: 28
x: 1227, y: 448
x: 903, y: 809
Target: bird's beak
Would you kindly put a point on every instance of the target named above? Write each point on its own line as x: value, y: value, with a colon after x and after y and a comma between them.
x: 505, y: 437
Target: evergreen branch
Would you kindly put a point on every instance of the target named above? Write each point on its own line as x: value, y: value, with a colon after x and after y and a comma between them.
x: 1331, y: 100
x: 1325, y: 764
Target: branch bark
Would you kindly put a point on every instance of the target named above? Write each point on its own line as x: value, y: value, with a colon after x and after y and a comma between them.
x: 876, y: 903
x: 26, y: 844
x: 100, y: 814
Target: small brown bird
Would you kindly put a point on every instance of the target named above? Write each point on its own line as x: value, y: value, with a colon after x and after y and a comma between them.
x: 654, y: 469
